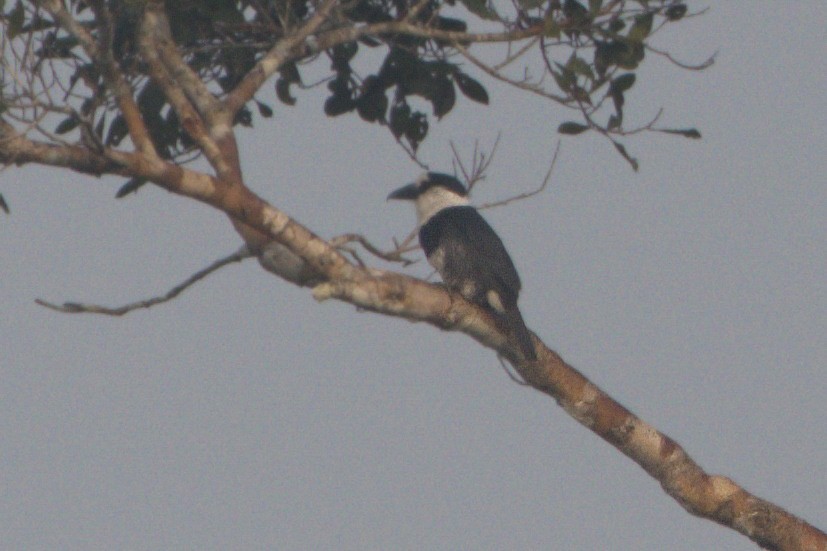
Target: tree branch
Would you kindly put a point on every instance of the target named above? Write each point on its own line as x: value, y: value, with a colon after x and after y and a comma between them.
x: 156, y: 31
x: 19, y: 150
x: 710, y: 496
x: 79, y: 308
x: 111, y: 73
x: 527, y: 194
x: 274, y: 59
x: 175, y: 93
x: 713, y: 497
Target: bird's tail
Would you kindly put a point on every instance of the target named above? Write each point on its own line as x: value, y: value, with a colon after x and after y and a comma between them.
x: 515, y: 322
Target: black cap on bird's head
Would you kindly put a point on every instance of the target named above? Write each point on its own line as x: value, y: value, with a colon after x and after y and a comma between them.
x: 430, y: 180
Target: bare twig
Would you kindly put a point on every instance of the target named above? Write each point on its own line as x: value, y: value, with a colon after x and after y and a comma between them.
x: 528, y: 194
x: 411, y: 152
x: 523, y: 85
x: 708, y: 62
x: 78, y: 308
x: 391, y: 256
x: 479, y: 162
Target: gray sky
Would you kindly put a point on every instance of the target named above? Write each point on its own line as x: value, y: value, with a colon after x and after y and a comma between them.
x: 244, y: 415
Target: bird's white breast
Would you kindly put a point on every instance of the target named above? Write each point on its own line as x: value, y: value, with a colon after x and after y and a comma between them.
x: 434, y: 200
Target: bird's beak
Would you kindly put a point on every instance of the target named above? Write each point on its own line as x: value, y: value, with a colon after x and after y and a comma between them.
x: 408, y: 192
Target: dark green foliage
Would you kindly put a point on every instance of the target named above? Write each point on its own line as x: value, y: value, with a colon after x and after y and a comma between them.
x: 402, y: 75
x: 131, y: 186
x: 572, y: 128
x: 685, y: 132
x: 622, y: 150
x: 412, y: 79
x: 283, y: 92
x: 675, y: 12
x: 67, y: 125
x: 264, y: 110
x: 472, y: 89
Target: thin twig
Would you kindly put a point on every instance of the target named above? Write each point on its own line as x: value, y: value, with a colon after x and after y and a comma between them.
x: 391, y: 256
x: 688, y: 66
x: 528, y: 194
x: 479, y: 162
x: 78, y: 308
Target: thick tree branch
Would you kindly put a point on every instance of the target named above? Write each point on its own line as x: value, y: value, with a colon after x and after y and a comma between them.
x: 274, y: 59
x: 318, y: 262
x: 219, y: 145
x: 19, y: 150
x: 710, y: 496
x: 191, y: 120
x: 713, y: 497
x: 111, y: 73
x: 156, y: 31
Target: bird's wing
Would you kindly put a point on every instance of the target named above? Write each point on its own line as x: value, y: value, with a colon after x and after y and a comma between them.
x: 471, y: 250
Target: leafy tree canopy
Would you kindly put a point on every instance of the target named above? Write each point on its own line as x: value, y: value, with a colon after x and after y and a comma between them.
x: 584, y: 56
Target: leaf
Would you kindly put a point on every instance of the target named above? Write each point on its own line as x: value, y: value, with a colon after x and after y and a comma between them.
x: 67, y: 125
x: 443, y: 98
x: 4, y: 205
x: 340, y: 56
x: 450, y: 24
x: 131, y: 186
x: 470, y: 88
x: 622, y: 150
x: 565, y: 79
x: 481, y: 9
x: 283, y: 92
x: 16, y: 19
x: 572, y: 128
x: 691, y: 133
x: 594, y: 6
x: 574, y: 10
x: 117, y: 131
x: 338, y: 104
x: 675, y: 12
x: 244, y: 118
x: 400, y: 119
x: 616, y: 25
x: 372, y: 103
x: 622, y: 83
x: 417, y: 129
x: 551, y: 28
x: 579, y: 66
x: 641, y: 28
x: 264, y: 110
x: 290, y: 72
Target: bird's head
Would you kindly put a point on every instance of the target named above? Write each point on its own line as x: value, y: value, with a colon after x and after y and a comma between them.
x: 432, y: 192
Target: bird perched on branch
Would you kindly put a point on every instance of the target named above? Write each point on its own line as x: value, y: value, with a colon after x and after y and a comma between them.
x: 466, y: 252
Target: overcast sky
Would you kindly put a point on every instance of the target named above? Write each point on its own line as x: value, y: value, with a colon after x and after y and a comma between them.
x: 244, y: 415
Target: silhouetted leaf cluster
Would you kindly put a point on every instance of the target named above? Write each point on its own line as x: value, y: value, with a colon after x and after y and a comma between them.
x: 417, y: 78
x: 402, y: 76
